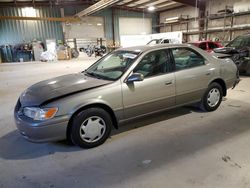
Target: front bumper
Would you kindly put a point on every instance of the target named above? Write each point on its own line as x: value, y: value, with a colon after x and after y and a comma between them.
x: 42, y: 131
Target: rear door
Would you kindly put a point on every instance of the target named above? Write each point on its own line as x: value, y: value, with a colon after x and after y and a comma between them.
x: 192, y: 74
x: 156, y: 91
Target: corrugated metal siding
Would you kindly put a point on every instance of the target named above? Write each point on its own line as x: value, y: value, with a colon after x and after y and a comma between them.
x: 18, y: 31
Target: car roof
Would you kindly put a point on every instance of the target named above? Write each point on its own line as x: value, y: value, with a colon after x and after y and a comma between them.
x: 146, y: 48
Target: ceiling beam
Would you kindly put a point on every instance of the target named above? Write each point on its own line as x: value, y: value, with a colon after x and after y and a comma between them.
x: 120, y: 7
x: 43, y: 3
x: 60, y: 4
x: 167, y: 8
x: 97, y: 7
x: 130, y: 2
x: 52, y: 19
x: 143, y: 4
x: 167, y: 3
x: 187, y: 2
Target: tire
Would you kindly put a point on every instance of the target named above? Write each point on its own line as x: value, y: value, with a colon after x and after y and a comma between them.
x: 207, y: 105
x: 91, y: 127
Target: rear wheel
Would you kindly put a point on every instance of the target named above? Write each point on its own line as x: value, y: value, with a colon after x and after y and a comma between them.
x: 212, y: 98
x: 91, y: 128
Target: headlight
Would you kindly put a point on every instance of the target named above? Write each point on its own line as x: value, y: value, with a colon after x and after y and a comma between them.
x: 39, y: 113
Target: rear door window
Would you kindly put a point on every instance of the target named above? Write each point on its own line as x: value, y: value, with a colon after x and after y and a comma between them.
x: 186, y: 58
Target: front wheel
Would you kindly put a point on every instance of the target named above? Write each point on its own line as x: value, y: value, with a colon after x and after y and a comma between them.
x: 91, y: 128
x: 212, y: 98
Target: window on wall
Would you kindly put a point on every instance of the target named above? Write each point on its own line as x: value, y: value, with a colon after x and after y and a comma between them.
x: 154, y: 63
x: 186, y: 58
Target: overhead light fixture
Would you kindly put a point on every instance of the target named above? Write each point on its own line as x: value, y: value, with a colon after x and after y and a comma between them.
x: 151, y: 8
x: 172, y: 20
x: 99, y: 24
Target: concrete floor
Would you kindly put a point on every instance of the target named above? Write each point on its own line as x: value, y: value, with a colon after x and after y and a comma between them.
x: 183, y: 147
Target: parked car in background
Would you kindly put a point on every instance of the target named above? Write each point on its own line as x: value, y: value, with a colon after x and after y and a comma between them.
x: 123, y: 85
x: 207, y: 45
x: 239, y: 51
x: 160, y: 41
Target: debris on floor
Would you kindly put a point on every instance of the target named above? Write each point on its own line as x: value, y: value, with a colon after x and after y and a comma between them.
x: 228, y: 159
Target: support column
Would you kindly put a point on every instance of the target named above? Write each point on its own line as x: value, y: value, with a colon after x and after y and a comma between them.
x: 202, y: 14
x: 113, y: 26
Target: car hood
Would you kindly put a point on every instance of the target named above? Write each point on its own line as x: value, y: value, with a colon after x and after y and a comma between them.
x: 58, y: 87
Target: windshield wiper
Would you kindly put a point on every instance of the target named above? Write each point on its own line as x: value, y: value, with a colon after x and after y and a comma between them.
x: 98, y: 76
x: 92, y: 74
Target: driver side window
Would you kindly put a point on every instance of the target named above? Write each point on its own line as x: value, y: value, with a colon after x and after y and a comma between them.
x: 153, y: 63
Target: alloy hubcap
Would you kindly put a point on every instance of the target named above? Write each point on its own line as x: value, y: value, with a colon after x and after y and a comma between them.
x: 92, y: 129
x: 213, y: 97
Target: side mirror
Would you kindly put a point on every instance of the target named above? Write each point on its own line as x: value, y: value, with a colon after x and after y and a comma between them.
x: 135, y: 77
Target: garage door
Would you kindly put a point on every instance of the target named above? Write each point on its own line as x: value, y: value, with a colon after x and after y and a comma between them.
x: 89, y: 27
x: 135, y: 26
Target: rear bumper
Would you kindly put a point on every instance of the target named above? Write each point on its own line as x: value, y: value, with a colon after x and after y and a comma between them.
x: 42, y: 131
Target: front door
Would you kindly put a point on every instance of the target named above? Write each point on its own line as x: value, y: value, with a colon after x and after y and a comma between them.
x: 156, y: 91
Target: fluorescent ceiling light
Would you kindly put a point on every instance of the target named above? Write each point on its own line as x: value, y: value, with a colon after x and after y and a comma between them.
x: 151, y: 8
x: 171, y: 20
x: 99, y: 24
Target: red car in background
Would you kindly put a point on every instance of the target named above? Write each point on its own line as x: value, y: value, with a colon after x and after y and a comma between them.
x: 207, y: 45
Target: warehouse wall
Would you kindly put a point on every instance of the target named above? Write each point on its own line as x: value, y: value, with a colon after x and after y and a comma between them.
x: 107, y: 15
x: 184, y: 11
x: 18, y: 31
x: 87, y: 28
x: 213, y: 6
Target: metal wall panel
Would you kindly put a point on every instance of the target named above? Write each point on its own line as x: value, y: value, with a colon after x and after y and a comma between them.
x: 107, y: 15
x: 18, y: 31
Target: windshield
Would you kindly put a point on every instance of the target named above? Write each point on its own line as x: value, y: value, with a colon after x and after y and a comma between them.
x: 112, y: 66
x: 240, y: 41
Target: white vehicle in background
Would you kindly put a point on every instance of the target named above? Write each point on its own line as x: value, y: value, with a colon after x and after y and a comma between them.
x: 162, y: 41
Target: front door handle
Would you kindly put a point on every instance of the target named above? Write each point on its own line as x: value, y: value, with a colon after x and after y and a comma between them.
x: 168, y: 83
x: 208, y: 73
